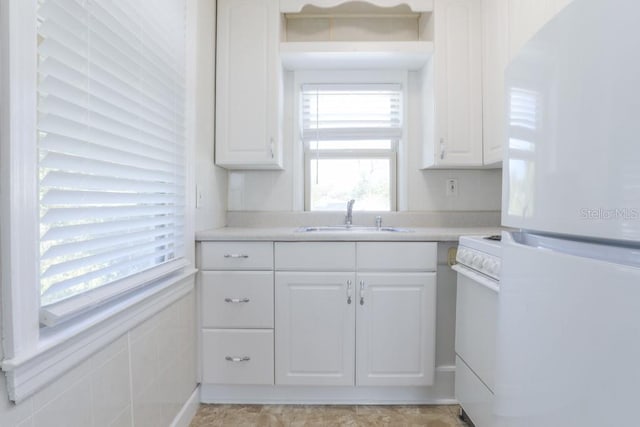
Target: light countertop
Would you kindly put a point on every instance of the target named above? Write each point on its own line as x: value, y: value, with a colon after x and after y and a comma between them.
x: 429, y: 234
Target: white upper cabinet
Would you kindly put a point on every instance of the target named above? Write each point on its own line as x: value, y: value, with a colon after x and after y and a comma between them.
x: 453, y: 87
x: 248, y: 85
x: 526, y: 17
x: 506, y: 26
x: 495, y: 57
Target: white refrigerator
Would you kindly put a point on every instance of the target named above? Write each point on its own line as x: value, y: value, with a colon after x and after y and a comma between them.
x: 569, y: 312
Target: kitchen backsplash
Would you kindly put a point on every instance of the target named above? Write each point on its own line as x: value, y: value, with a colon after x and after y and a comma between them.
x: 478, y: 190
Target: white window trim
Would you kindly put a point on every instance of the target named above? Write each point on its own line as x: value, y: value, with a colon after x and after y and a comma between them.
x: 302, y: 191
x: 33, y: 359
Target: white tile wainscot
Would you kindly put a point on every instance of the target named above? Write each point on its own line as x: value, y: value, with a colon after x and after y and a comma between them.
x: 146, y: 377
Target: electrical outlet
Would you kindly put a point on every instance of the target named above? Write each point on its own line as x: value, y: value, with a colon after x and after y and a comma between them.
x: 452, y: 187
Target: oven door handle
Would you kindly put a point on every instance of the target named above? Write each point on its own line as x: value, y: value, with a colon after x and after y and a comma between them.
x: 476, y: 277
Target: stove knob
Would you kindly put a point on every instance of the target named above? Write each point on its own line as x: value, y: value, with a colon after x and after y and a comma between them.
x: 477, y: 261
x: 463, y: 256
x: 468, y: 257
x: 491, y: 267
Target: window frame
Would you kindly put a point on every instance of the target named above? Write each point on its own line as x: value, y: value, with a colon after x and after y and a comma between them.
x: 305, y: 153
x: 33, y: 356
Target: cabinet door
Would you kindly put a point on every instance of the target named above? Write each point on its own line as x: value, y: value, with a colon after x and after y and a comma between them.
x: 495, y: 56
x: 248, y: 85
x: 396, y: 329
x: 458, y: 83
x: 315, y: 328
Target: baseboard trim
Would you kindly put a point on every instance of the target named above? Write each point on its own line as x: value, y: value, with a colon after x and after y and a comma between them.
x: 440, y: 393
x: 188, y: 410
x: 325, y: 395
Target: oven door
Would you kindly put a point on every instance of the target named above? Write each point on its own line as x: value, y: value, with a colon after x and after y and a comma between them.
x: 476, y: 327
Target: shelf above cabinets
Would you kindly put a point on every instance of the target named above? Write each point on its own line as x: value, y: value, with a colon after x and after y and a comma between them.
x: 295, y: 6
x: 405, y: 55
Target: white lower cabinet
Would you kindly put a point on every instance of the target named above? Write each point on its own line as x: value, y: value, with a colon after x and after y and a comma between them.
x: 332, y: 313
x: 396, y: 329
x: 369, y: 328
x: 315, y: 328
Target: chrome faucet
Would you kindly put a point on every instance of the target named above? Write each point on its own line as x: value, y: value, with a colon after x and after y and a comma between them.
x: 348, y: 219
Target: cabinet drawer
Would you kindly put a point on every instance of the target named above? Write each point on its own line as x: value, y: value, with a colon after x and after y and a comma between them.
x: 237, y: 299
x: 315, y: 256
x: 236, y: 256
x: 397, y: 256
x: 236, y: 356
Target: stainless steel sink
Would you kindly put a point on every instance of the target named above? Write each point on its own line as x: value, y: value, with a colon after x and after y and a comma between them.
x: 353, y: 229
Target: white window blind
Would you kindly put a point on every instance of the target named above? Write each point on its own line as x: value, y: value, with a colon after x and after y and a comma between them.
x: 333, y: 112
x: 111, y: 131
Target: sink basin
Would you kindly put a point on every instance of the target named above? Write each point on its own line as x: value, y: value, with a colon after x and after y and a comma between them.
x: 353, y: 229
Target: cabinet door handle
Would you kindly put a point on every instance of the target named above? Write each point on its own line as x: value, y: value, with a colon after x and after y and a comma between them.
x: 361, y: 292
x: 236, y: 300
x: 348, y: 291
x: 271, y: 147
x: 237, y: 359
x: 236, y: 256
x: 441, y: 148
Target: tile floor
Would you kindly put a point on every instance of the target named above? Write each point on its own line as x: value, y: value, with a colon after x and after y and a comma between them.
x: 326, y: 415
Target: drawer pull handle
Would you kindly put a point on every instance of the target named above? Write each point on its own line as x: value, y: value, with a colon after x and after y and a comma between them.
x: 236, y: 256
x: 237, y: 359
x: 236, y: 300
x: 348, y: 291
x: 361, y: 292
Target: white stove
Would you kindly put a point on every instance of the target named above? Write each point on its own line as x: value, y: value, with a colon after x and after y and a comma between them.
x: 478, y: 267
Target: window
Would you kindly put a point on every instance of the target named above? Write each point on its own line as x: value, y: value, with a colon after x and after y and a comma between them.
x: 93, y: 162
x: 350, y: 133
x: 111, y: 143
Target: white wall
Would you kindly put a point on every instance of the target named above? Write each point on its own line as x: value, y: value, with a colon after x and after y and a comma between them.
x: 211, y: 181
x: 478, y: 190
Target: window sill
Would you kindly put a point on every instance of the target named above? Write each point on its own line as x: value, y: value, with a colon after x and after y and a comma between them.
x: 63, y: 347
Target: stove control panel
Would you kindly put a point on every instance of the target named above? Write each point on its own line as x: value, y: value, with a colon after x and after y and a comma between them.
x: 482, y: 262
